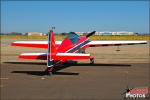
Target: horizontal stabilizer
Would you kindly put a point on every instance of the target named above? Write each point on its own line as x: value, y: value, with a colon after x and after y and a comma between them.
x: 40, y: 56
x: 71, y: 56
x: 59, y: 56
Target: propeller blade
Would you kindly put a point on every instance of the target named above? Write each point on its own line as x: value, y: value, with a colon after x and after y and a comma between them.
x: 90, y: 34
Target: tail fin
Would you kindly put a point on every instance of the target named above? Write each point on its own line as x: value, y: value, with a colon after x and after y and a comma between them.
x: 51, y: 49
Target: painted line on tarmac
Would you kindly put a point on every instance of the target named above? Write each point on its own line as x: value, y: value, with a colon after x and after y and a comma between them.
x: 4, y: 78
x: 1, y: 86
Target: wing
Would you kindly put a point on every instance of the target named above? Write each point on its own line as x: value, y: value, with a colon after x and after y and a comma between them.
x: 113, y: 43
x: 35, y: 44
x: 43, y: 44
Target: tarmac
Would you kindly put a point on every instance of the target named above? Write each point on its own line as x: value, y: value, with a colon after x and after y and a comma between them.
x: 107, y: 79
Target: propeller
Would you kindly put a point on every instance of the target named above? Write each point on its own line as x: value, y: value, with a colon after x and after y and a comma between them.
x: 90, y: 34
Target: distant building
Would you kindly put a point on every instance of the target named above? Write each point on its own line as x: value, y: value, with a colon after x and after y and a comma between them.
x: 104, y: 33
x: 123, y: 33
x: 81, y: 33
x: 35, y: 34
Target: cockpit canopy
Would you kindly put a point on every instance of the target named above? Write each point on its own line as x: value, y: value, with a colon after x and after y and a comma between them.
x: 73, y: 37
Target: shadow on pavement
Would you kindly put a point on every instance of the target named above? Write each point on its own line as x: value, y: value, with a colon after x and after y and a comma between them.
x: 63, y: 66
x: 42, y: 73
x: 73, y: 64
x: 27, y: 63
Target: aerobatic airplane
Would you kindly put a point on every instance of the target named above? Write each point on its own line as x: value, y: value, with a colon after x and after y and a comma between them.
x: 71, y: 48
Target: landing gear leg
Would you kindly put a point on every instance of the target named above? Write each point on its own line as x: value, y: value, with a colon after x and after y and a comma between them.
x: 92, y: 60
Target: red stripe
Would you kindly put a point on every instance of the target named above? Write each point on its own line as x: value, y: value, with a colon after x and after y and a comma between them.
x: 44, y: 57
x: 33, y: 57
x: 70, y: 57
x: 31, y: 45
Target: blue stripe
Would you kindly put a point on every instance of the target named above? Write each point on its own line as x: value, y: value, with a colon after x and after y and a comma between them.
x: 49, y: 60
x: 49, y: 63
x: 49, y: 44
x: 79, y: 46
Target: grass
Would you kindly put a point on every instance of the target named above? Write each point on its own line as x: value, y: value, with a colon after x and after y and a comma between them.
x: 60, y: 37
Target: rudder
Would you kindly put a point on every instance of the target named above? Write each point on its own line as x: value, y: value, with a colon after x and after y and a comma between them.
x: 51, y: 49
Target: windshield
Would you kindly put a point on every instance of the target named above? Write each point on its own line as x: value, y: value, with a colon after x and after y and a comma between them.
x: 73, y: 37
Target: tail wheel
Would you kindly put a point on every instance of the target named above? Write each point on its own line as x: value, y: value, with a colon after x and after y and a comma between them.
x: 91, y: 60
x: 49, y: 70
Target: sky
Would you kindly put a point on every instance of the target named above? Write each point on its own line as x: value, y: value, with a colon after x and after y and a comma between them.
x: 77, y: 16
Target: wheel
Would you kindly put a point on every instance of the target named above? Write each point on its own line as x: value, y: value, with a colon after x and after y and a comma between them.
x: 49, y: 71
x: 91, y: 60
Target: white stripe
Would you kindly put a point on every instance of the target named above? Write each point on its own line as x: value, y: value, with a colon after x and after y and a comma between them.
x: 50, y: 66
x: 72, y: 54
x: 76, y: 46
x: 36, y: 42
x: 114, y: 42
x: 30, y: 54
x: 59, y: 54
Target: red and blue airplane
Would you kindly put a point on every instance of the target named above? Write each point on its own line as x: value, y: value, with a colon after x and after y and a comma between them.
x: 71, y: 48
